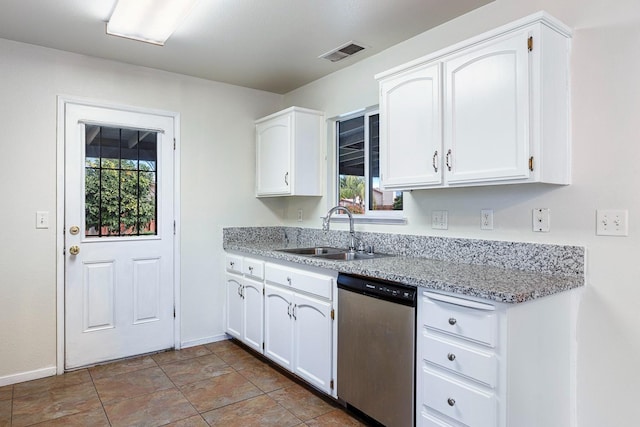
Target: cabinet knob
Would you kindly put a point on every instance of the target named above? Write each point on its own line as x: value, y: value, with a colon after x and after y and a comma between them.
x: 452, y: 321
x: 451, y: 401
x: 289, y: 280
x: 451, y: 357
x: 251, y: 269
x: 232, y: 264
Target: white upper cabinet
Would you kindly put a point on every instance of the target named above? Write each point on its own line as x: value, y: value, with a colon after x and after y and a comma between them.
x: 410, y: 109
x: 486, y: 126
x: 503, y: 116
x: 288, y: 153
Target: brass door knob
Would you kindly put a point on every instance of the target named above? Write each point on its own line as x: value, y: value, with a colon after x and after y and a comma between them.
x: 74, y: 230
x: 74, y: 250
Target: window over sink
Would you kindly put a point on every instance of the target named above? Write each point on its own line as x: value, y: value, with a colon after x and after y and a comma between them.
x: 357, y: 170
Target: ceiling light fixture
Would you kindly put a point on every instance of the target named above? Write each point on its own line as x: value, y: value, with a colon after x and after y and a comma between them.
x: 150, y: 21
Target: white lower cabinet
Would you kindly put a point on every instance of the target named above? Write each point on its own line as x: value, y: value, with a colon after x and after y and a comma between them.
x: 285, y: 313
x: 312, y: 336
x: 235, y: 306
x: 252, y: 334
x: 299, y: 329
x: 495, y: 365
x: 244, y: 319
x: 278, y: 325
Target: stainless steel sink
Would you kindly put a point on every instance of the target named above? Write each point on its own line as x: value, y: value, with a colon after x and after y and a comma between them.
x: 336, y: 254
x: 352, y: 256
x: 318, y: 250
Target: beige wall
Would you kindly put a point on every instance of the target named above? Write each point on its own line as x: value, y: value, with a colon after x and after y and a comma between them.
x: 605, y: 66
x: 217, y: 185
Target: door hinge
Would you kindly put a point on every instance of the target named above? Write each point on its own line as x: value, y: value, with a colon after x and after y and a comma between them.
x: 174, y: 143
x: 331, y: 384
x: 174, y: 312
x: 531, y: 163
x: 174, y: 228
x: 333, y: 314
x: 263, y: 293
x: 530, y: 43
x: 263, y: 346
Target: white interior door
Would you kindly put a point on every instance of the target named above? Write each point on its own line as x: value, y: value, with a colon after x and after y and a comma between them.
x: 119, y: 233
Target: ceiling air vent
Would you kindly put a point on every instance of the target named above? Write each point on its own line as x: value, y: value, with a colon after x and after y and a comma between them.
x: 342, y: 52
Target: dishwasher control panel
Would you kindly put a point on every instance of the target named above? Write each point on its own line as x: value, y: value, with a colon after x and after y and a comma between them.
x: 394, y: 292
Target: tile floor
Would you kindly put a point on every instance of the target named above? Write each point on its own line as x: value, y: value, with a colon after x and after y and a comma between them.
x: 218, y: 384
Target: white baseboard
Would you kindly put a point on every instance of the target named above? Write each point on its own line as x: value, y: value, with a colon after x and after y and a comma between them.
x: 28, y: 376
x: 206, y: 340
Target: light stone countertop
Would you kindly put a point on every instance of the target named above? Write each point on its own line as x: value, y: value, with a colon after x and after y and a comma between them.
x: 507, y: 285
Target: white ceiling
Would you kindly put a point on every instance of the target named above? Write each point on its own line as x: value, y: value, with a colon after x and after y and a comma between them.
x: 271, y: 45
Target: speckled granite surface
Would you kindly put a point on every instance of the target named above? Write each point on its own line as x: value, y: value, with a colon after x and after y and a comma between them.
x: 510, y: 272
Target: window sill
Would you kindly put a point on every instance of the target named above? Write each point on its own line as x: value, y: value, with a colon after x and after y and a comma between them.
x: 360, y: 219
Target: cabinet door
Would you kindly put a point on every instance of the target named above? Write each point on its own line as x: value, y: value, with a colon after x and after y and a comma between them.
x: 487, y: 112
x: 234, y: 305
x: 312, y: 341
x: 278, y: 325
x: 273, y: 146
x: 253, y: 314
x: 410, y: 129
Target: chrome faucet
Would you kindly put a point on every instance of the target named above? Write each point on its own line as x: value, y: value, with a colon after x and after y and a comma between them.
x: 327, y: 219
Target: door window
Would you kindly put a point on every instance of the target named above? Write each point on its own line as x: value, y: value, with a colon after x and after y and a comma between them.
x: 120, y: 181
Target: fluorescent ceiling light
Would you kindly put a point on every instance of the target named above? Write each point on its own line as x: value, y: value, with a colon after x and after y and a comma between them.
x: 151, y: 21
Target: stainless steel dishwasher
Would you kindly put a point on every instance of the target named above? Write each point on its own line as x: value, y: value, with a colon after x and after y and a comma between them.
x: 376, y: 348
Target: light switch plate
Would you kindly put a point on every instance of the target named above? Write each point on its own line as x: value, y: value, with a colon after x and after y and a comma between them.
x: 42, y: 219
x: 612, y: 222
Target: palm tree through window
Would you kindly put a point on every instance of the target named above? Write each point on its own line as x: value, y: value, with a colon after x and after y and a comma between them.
x: 358, y: 150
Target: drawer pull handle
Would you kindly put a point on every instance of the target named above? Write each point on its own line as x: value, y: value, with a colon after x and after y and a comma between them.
x: 452, y: 321
x: 451, y: 357
x: 289, y: 280
x: 451, y: 401
x: 251, y: 269
x: 231, y: 264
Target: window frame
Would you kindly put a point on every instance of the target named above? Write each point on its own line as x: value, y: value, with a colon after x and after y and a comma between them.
x: 370, y: 216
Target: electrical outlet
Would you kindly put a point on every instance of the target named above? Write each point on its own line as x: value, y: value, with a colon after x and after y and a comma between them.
x: 541, y: 220
x: 300, y: 212
x: 486, y: 219
x: 611, y: 222
x: 439, y: 220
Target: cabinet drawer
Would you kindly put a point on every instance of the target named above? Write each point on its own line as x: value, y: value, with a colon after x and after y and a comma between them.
x: 478, y: 365
x: 253, y: 268
x: 234, y: 263
x: 427, y: 420
x: 458, y: 400
x: 470, y: 323
x: 312, y: 283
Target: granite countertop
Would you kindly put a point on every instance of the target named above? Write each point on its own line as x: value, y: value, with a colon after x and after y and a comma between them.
x: 496, y: 283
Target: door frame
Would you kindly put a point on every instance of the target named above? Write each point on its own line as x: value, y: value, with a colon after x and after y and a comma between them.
x: 63, y: 101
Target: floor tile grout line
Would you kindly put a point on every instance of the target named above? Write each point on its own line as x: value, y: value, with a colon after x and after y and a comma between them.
x: 99, y: 398
x: 13, y: 388
x: 180, y: 391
